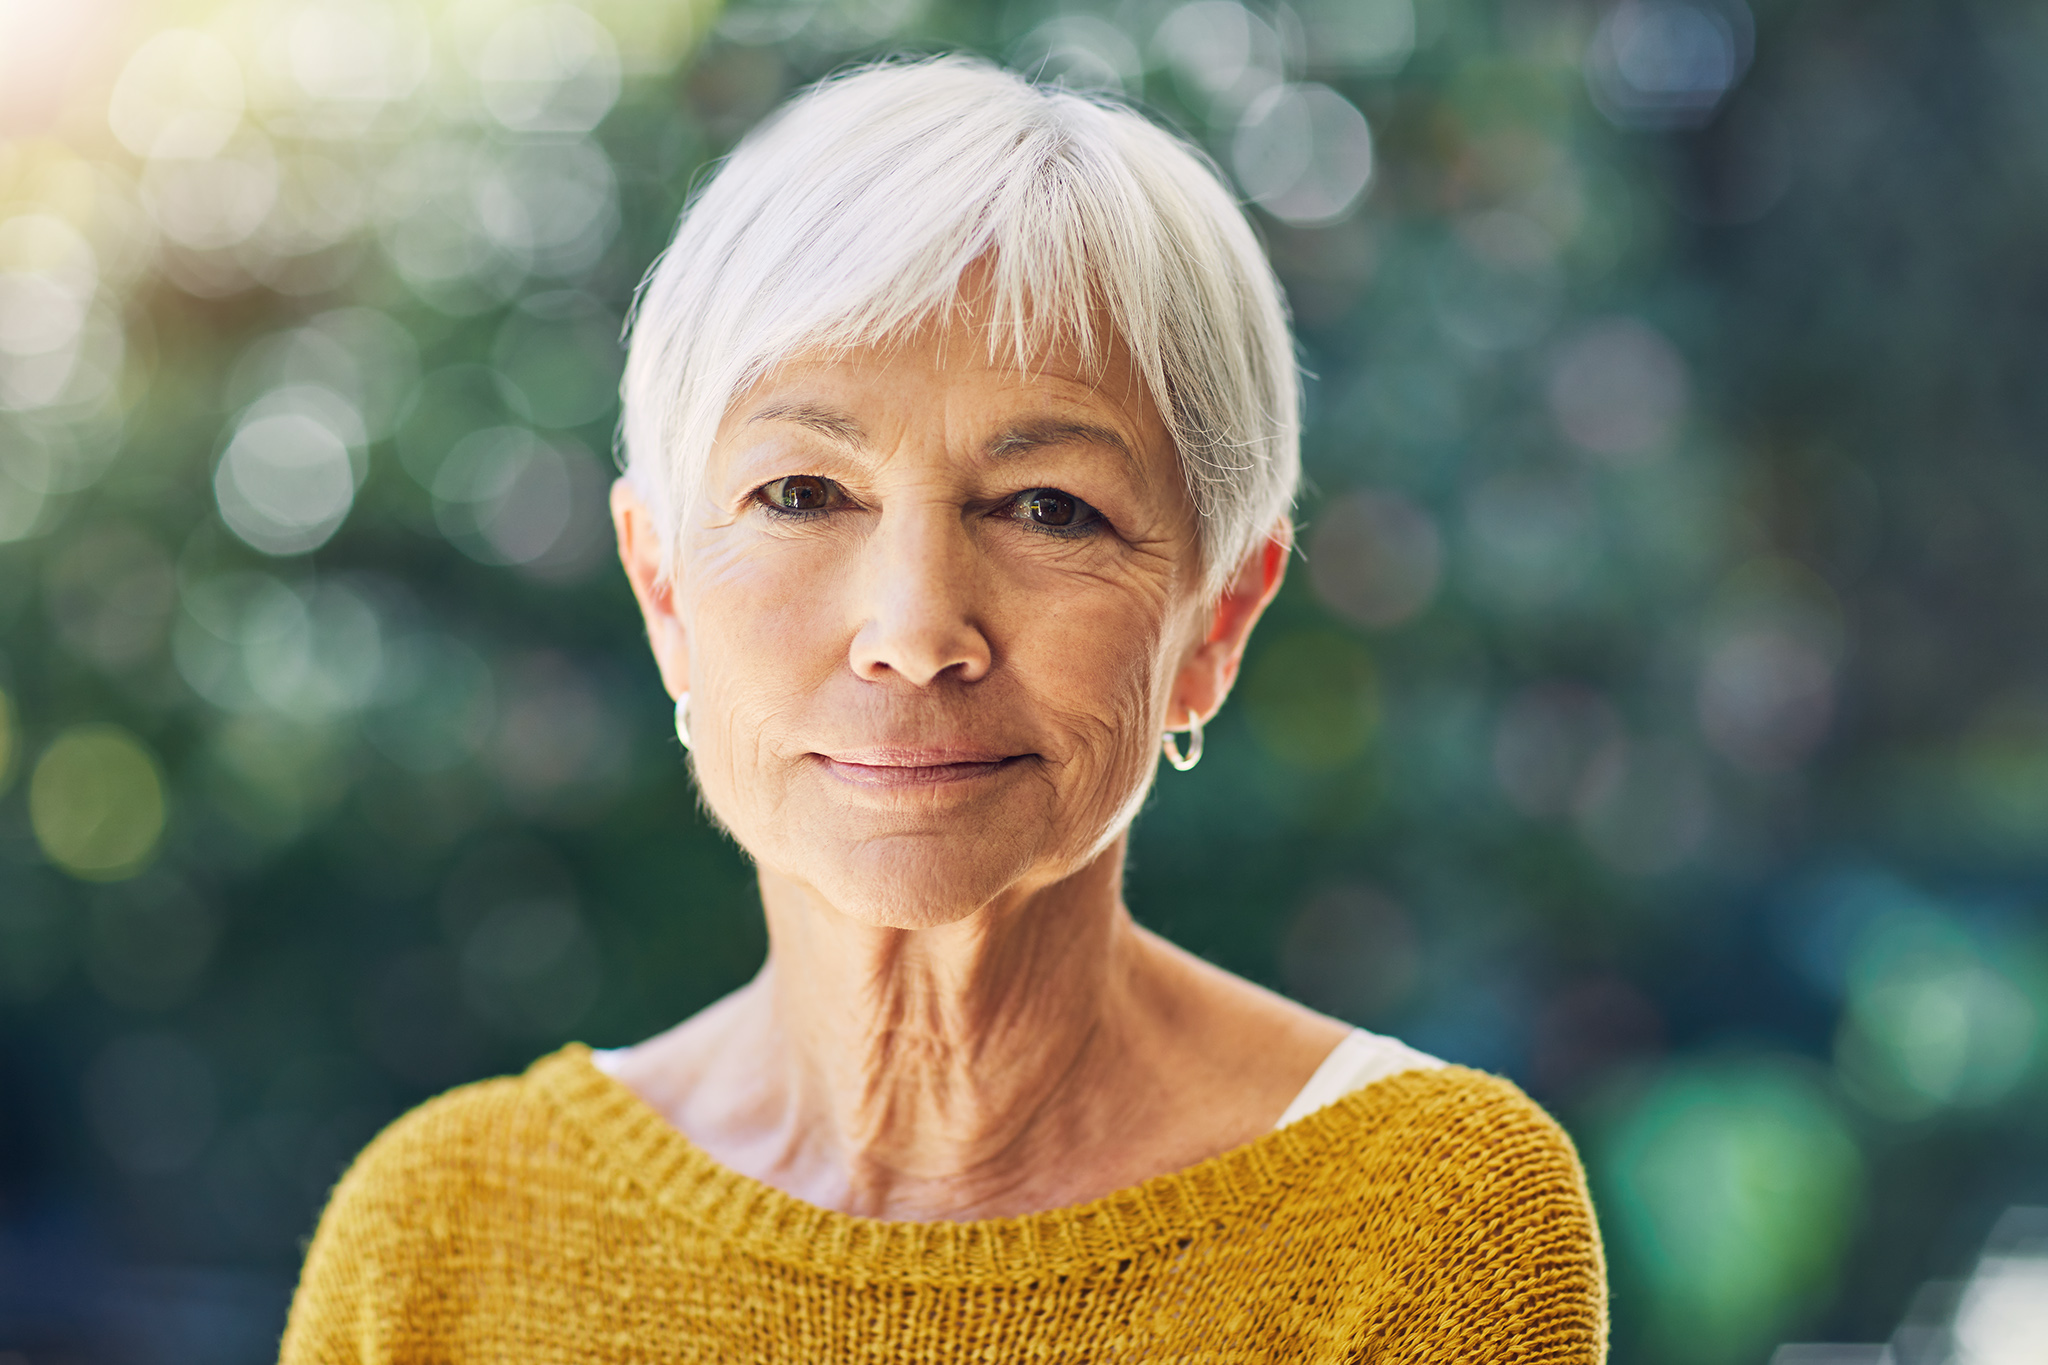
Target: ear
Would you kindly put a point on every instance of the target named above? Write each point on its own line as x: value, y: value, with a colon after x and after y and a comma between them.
x: 646, y: 560
x: 1206, y: 674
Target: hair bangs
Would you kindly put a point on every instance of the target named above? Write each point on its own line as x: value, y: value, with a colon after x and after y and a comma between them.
x: 897, y: 195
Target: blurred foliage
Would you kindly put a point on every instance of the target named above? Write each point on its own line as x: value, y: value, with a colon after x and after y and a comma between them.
x: 1658, y: 712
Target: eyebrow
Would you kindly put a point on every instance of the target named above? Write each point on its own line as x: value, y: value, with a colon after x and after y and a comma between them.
x: 835, y: 425
x: 1029, y: 436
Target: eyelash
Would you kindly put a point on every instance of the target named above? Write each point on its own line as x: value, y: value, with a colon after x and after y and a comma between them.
x: 794, y: 513
x: 1094, y: 524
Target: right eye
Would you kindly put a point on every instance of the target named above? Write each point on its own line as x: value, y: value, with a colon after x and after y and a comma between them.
x: 802, y: 493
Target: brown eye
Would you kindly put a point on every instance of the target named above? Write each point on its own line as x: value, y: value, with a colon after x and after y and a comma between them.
x: 1050, y: 507
x: 800, y: 493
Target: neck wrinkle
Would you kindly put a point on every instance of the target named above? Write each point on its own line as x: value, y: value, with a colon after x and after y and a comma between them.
x: 926, y: 1063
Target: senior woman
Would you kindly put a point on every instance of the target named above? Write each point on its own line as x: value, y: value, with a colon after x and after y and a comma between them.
x: 960, y: 425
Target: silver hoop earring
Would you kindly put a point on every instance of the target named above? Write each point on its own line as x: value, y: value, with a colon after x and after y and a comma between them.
x: 1182, y: 762
x: 683, y: 719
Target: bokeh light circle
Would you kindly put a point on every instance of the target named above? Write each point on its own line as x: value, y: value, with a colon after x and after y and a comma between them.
x: 1733, y: 1185
x: 1221, y: 55
x: 504, y: 496
x: 207, y: 203
x: 549, y: 69
x: 1619, y: 390
x: 1375, y: 558
x: 1303, y: 153
x: 1668, y: 63
x: 288, y: 477
x: 1313, y: 699
x: 97, y: 803
x: 1079, y: 52
x: 180, y: 95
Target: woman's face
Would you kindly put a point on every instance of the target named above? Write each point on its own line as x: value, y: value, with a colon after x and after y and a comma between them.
x: 933, y: 615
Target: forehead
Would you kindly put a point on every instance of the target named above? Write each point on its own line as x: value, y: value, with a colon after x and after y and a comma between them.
x: 966, y: 371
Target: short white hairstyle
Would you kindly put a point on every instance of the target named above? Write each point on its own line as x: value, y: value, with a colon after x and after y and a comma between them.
x: 852, y: 215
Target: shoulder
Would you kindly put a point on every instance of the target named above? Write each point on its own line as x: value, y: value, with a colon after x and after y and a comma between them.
x: 1469, y: 1145
x: 426, y: 1190
x: 1479, y: 1195
x: 477, y: 1142
x: 1472, y: 1127
x: 463, y: 1123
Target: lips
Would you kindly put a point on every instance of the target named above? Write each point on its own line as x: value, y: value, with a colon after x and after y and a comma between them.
x: 916, y: 767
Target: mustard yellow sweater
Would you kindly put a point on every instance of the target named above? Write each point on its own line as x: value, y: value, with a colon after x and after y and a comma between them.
x: 1435, y: 1216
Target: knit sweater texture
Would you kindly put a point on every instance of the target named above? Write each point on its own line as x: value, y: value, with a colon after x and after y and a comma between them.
x: 1433, y: 1216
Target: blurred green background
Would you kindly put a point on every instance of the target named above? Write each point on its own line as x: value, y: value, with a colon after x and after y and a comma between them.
x: 1657, y: 714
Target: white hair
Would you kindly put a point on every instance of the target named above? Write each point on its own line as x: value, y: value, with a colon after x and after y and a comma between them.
x: 852, y: 215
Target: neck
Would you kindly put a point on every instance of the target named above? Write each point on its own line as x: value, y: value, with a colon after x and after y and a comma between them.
x: 927, y: 1068
x: 1040, y: 1053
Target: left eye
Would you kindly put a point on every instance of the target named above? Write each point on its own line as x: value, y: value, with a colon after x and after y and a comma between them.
x: 1054, y: 510
x: 801, y: 493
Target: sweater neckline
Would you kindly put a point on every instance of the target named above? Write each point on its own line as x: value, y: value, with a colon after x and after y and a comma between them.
x: 635, y: 1145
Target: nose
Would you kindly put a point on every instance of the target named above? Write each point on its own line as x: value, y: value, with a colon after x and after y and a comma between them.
x: 918, y: 590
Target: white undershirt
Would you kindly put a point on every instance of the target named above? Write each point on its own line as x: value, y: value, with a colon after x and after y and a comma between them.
x: 1359, y: 1059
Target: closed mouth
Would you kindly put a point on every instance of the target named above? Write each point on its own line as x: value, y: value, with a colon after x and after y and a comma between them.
x: 916, y: 768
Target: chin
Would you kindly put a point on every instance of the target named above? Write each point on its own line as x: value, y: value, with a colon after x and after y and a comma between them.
x: 917, y: 882
x: 925, y: 858
x: 905, y: 912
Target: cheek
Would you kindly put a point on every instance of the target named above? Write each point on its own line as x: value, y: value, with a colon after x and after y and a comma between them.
x: 1098, y: 667
x: 764, y: 636
x: 767, y: 611
x: 1099, y: 674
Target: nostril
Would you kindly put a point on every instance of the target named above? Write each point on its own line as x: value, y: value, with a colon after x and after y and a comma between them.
x: 921, y: 655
